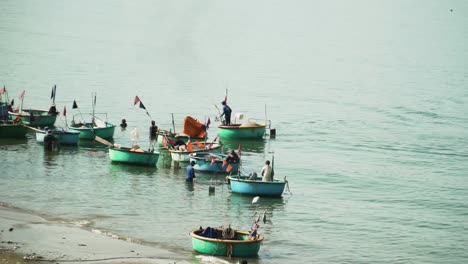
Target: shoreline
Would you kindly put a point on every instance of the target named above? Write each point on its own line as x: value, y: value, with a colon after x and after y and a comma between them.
x: 26, y: 237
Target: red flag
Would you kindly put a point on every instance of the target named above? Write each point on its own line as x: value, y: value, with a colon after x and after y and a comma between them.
x: 229, y: 168
x: 239, y: 151
x: 137, y: 99
x: 199, y: 144
x: 211, y: 144
x: 64, y: 111
x: 21, y: 95
x: 189, y: 145
x: 168, y: 140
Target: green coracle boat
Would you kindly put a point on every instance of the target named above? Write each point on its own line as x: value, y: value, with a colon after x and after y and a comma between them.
x: 36, y: 117
x: 135, y: 156
x: 89, y: 130
x: 249, y: 130
x: 9, y: 129
x: 240, y: 246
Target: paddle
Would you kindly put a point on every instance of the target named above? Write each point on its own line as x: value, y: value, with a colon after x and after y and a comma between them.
x: 103, y: 141
x: 35, y: 129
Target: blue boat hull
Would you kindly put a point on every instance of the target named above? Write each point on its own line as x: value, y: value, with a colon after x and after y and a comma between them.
x: 213, y: 163
x: 242, y: 185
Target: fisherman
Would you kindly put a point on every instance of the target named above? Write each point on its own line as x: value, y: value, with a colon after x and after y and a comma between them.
x: 227, y: 113
x: 266, y: 172
x: 153, y: 134
x: 232, y: 156
x: 123, y: 124
x: 50, y: 142
x: 190, y: 172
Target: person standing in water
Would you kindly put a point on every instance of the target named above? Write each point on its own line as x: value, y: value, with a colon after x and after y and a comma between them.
x: 190, y: 172
x: 153, y: 134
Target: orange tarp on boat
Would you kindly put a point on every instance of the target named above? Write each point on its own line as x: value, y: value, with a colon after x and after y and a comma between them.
x: 193, y: 127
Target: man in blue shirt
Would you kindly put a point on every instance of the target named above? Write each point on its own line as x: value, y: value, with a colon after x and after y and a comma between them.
x: 190, y: 172
x: 227, y: 114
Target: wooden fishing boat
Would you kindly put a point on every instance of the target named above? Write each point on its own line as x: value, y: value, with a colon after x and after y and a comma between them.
x: 133, y: 155
x: 64, y: 137
x: 250, y: 130
x: 9, y: 129
x: 256, y: 187
x: 89, y: 130
x: 36, y: 117
x: 241, y: 245
x: 208, y: 162
x: 183, y: 154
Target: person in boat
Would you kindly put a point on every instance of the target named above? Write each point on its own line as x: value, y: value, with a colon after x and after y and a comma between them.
x: 253, y: 176
x: 123, y: 124
x: 153, y: 133
x: 190, y: 172
x: 232, y: 156
x: 180, y: 145
x: 228, y: 233
x: 266, y: 172
x: 226, y: 113
x: 53, y: 110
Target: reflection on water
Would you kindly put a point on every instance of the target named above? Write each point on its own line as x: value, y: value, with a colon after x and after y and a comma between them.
x: 132, y: 169
x: 253, y: 145
x: 12, y: 141
x: 91, y: 144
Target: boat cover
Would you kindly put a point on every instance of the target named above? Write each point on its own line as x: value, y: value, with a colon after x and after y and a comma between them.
x: 193, y: 127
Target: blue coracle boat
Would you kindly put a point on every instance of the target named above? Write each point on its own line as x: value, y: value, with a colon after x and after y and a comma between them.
x: 257, y: 187
x: 213, y: 163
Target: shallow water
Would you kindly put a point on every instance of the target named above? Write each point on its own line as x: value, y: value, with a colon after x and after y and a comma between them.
x: 369, y: 101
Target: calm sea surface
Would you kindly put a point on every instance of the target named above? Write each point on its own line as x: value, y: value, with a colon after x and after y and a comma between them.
x: 369, y: 100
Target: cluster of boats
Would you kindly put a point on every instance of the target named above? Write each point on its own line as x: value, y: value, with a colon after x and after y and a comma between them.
x: 190, y: 145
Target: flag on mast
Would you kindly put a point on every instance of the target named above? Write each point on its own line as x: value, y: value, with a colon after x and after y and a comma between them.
x: 21, y: 97
x: 74, y: 105
x: 137, y: 99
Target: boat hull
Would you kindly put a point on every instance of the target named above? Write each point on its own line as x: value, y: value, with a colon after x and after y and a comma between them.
x: 88, y: 132
x: 248, y: 131
x: 11, y: 130
x: 244, y: 186
x: 125, y: 155
x: 40, y: 118
x: 241, y: 246
x: 184, y: 156
x: 64, y: 137
x: 213, y: 163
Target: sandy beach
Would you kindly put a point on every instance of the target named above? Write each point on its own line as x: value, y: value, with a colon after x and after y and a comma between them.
x: 29, y: 238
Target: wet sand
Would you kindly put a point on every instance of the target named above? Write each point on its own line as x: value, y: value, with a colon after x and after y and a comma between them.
x: 27, y: 238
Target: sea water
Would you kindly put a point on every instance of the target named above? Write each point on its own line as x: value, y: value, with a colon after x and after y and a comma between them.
x: 368, y: 98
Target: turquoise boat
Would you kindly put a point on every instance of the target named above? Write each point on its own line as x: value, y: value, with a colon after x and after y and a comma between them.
x: 64, y: 137
x: 36, y: 117
x: 208, y: 162
x: 256, y: 187
x: 9, y: 129
x: 249, y: 130
x: 135, y: 156
x: 241, y: 245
